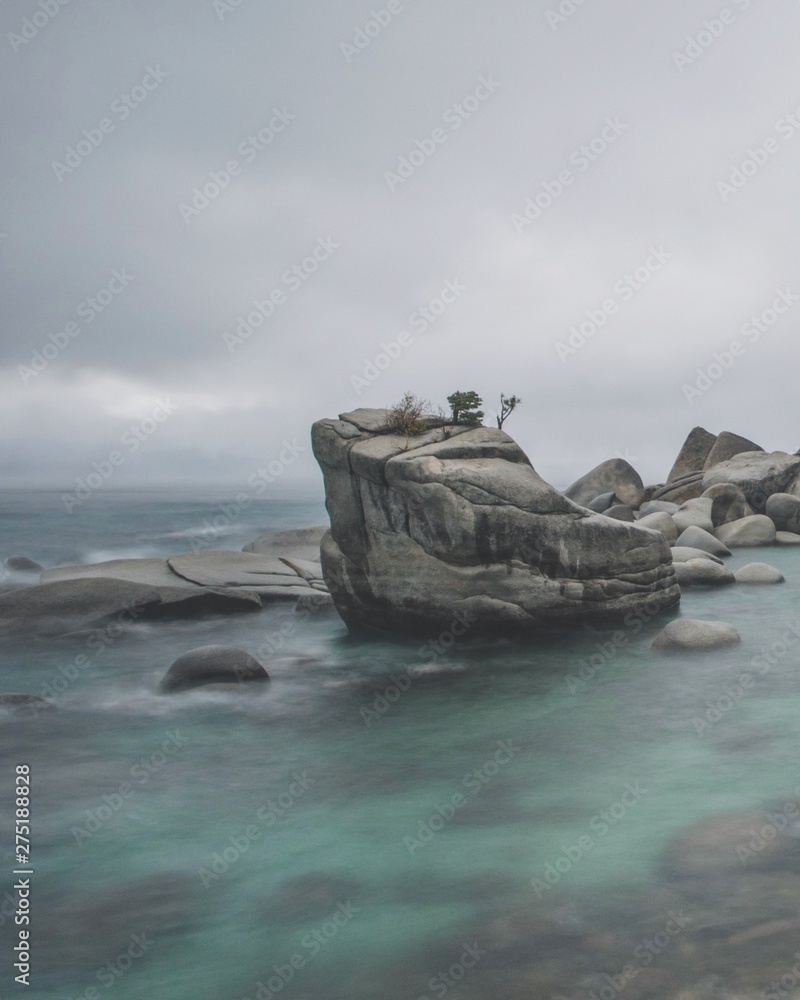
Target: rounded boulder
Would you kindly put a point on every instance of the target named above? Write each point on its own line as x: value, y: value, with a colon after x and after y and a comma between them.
x: 695, y: 634
x: 212, y: 665
x: 759, y: 573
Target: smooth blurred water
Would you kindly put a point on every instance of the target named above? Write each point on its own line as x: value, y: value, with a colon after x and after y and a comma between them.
x: 352, y: 777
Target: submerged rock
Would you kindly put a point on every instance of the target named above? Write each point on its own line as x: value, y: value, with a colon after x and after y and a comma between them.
x: 22, y: 564
x: 693, y: 634
x: 212, y: 665
x: 730, y: 844
x: 14, y: 702
x: 454, y: 529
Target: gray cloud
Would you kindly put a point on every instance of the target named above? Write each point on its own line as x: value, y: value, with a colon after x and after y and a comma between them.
x: 324, y: 177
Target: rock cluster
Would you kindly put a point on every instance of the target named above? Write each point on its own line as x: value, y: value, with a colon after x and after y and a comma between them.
x: 723, y: 492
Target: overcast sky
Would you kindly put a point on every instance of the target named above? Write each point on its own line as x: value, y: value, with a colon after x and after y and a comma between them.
x: 489, y: 104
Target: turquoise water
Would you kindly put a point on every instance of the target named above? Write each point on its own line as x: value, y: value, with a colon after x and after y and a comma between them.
x: 226, y: 831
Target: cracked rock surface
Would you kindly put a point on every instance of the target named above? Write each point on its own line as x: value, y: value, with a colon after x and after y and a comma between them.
x: 456, y: 522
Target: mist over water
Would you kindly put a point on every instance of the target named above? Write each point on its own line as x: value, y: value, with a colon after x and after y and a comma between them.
x: 514, y: 797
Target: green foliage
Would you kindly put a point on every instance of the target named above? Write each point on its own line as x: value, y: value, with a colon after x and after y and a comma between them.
x: 507, y: 406
x: 405, y: 417
x: 464, y: 407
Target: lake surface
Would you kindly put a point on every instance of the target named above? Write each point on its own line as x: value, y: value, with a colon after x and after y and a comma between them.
x: 389, y: 819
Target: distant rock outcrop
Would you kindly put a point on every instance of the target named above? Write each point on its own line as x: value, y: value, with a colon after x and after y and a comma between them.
x: 456, y: 526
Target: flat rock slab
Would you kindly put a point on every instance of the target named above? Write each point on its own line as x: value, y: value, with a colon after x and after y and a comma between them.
x: 151, y: 572
x: 301, y: 543
x: 220, y: 568
x: 65, y: 605
x: 693, y: 634
x: 759, y: 573
x: 787, y: 538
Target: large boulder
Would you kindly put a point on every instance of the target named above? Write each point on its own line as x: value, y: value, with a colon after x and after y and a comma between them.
x: 660, y: 521
x: 680, y: 490
x: 621, y: 512
x: 787, y: 538
x: 212, y: 665
x: 759, y: 573
x: 693, y: 454
x: 755, y: 530
x: 758, y: 475
x: 70, y: 605
x: 602, y: 503
x: 694, y: 634
x: 455, y: 526
x: 702, y: 573
x: 658, y: 507
x: 616, y: 476
x: 728, y: 503
x: 696, y: 538
x: 726, y: 446
x: 783, y: 509
x: 695, y: 513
